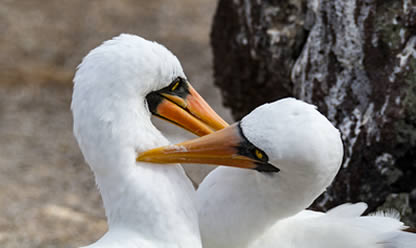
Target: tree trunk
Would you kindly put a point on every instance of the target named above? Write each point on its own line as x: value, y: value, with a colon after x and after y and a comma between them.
x: 355, y: 60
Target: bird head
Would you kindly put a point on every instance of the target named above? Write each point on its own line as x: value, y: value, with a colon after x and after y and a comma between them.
x: 288, y: 135
x: 130, y: 69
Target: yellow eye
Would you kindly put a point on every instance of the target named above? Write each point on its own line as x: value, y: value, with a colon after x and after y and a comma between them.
x: 175, y: 86
x: 259, y: 154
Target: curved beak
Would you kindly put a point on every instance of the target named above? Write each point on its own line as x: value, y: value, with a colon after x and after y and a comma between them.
x: 226, y: 147
x: 187, y: 110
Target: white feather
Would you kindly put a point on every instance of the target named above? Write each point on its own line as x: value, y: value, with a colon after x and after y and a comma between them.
x: 146, y: 205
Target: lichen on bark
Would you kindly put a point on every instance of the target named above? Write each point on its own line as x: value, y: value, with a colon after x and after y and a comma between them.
x: 255, y: 44
x: 354, y: 59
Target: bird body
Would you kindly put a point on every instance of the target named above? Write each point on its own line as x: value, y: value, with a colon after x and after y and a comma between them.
x: 342, y: 226
x: 146, y: 205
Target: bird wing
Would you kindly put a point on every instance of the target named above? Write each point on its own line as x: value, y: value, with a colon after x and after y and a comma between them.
x: 341, y: 227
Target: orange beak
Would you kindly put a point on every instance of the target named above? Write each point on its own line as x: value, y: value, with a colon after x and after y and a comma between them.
x: 226, y: 147
x: 187, y: 110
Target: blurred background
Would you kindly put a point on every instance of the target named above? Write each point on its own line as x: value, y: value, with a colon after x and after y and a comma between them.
x: 48, y: 197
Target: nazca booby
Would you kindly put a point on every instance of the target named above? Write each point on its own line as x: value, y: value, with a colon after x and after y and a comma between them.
x: 117, y: 87
x: 244, y: 208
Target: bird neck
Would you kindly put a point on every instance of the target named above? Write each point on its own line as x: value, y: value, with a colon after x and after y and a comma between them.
x: 156, y: 202
x: 237, y: 206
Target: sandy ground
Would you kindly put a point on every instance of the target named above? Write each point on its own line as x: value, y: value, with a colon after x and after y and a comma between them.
x: 48, y: 197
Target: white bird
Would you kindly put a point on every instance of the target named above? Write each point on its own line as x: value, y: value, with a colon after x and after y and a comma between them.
x: 117, y: 87
x: 243, y: 208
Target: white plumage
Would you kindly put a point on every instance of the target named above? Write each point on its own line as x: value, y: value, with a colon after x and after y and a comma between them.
x: 150, y: 205
x: 242, y: 208
x: 146, y: 205
x: 341, y: 227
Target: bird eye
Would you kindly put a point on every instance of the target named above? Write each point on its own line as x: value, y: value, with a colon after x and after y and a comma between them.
x: 175, y: 85
x: 259, y: 154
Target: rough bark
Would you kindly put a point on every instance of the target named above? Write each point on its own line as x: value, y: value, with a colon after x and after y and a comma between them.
x: 355, y: 60
x: 255, y: 44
